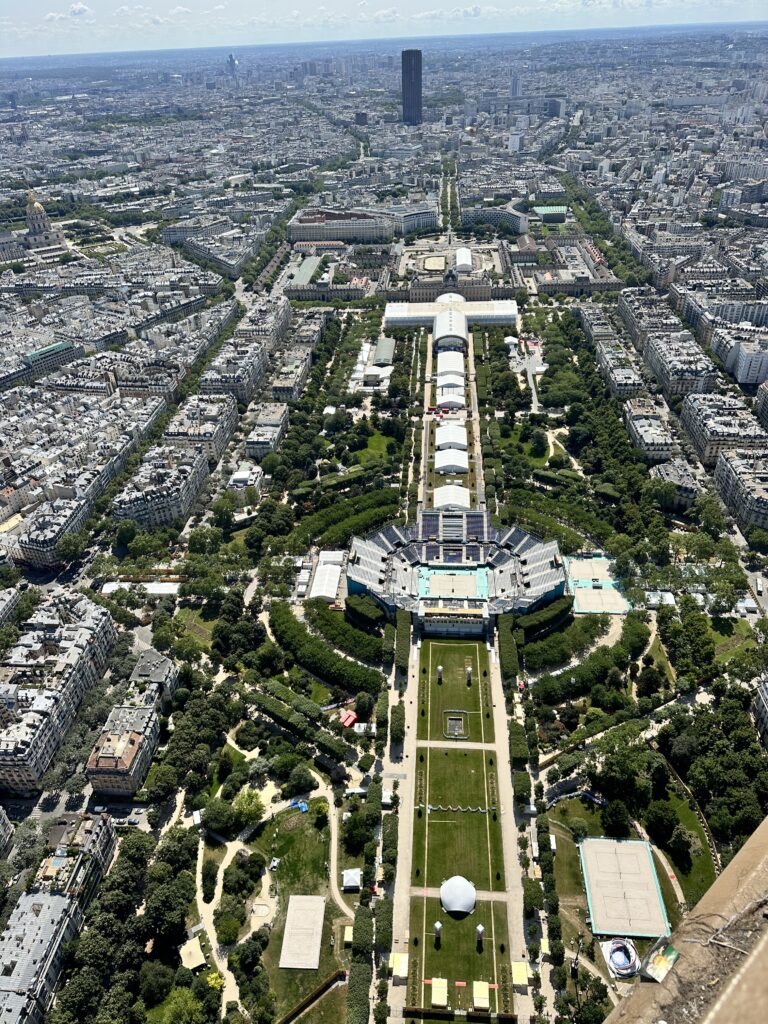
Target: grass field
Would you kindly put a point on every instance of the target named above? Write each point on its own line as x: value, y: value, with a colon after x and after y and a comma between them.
x: 453, y: 694
x: 197, y: 626
x: 730, y: 636
x: 447, y: 843
x: 458, y: 957
x: 694, y: 878
x: 667, y: 894
x: 303, y: 852
x: 331, y: 1009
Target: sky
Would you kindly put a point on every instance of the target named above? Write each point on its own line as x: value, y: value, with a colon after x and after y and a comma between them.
x: 39, y: 27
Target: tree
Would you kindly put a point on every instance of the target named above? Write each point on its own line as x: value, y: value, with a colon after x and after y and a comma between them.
x: 183, y: 1008
x: 248, y: 807
x: 615, y: 819
x: 219, y: 816
x: 71, y: 546
x: 126, y: 531
x: 660, y: 820
x: 155, y: 982
x: 161, y: 784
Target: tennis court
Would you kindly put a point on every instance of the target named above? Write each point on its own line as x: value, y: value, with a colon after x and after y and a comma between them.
x: 623, y: 892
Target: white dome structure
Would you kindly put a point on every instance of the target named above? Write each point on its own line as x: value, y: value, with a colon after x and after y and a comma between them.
x: 457, y: 895
x: 451, y: 297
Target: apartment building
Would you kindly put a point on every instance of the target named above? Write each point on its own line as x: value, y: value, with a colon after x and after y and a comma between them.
x: 123, y: 752
x: 761, y: 404
x: 617, y: 367
x: 679, y: 365
x: 6, y: 832
x: 270, y: 424
x: 718, y: 423
x: 743, y: 350
x: 120, y: 760
x: 43, y: 678
x: 648, y: 429
x: 644, y: 312
x: 165, y: 487
x: 49, y: 916
x: 38, y: 544
x: 677, y: 472
x: 741, y: 477
x: 9, y: 599
x: 288, y: 383
x: 204, y: 421
x: 236, y: 370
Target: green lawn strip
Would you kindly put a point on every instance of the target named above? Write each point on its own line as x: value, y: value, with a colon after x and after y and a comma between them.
x: 331, y: 1009
x: 458, y: 957
x: 457, y: 841
x: 730, y: 636
x: 454, y: 694
x: 659, y: 654
x: 303, y: 852
x: 697, y: 879
x: 667, y: 893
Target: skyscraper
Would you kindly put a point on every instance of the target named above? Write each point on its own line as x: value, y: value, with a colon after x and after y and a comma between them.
x: 411, y: 78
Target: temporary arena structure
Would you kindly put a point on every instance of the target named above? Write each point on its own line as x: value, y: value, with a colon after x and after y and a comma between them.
x: 454, y: 571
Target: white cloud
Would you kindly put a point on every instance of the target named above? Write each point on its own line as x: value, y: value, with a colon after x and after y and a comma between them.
x: 54, y: 16
x: 78, y: 9
x: 176, y: 11
x: 386, y: 16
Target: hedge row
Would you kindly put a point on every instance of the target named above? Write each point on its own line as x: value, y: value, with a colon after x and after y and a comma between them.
x: 382, y: 717
x: 363, y: 612
x: 358, y: 989
x: 508, y: 660
x: 296, y: 723
x: 384, y: 914
x: 403, y: 641
x: 397, y: 724
x: 297, y: 701
x: 522, y: 787
x: 594, y: 669
x: 545, y: 619
x: 388, y: 644
x: 342, y: 634
x: 389, y: 834
x: 518, y: 745
x: 316, y: 657
x: 313, y: 526
x: 362, y: 934
x: 560, y: 647
x: 339, y: 536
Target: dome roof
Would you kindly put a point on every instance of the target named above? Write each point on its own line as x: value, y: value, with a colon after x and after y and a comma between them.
x: 33, y: 204
x: 451, y: 297
x: 457, y: 895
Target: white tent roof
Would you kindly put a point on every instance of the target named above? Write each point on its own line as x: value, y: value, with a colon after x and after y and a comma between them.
x: 452, y: 496
x: 450, y: 323
x: 464, y: 259
x: 451, y: 397
x: 450, y: 362
x: 451, y: 435
x: 451, y: 460
x: 451, y: 380
x: 458, y: 895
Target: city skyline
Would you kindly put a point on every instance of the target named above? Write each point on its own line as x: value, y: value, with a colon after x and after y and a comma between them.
x: 53, y: 27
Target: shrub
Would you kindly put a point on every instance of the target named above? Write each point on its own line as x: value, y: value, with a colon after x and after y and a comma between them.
x: 508, y: 660
x: 518, y: 745
x: 397, y: 724
x: 384, y: 911
x: 358, y: 987
x: 403, y: 641
x: 362, y: 935
x: 522, y: 787
x: 363, y: 612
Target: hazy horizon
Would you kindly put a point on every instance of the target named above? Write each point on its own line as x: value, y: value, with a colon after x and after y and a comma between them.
x: 52, y: 28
